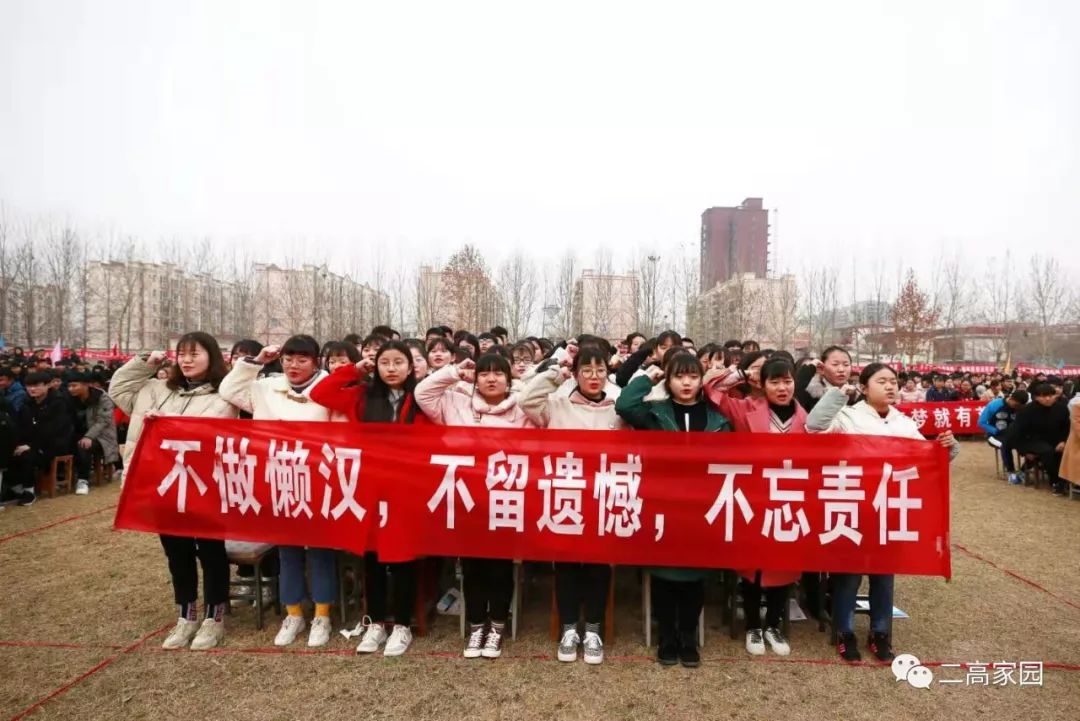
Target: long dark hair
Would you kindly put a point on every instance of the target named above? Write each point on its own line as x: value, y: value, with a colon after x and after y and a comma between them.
x: 215, y: 372
x: 377, y: 408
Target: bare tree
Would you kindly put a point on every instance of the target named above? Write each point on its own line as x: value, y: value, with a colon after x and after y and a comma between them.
x: 684, y: 272
x: 649, y: 292
x: 518, y: 287
x: 999, y: 307
x: 598, y: 313
x: 952, y: 297
x: 8, y: 257
x: 1046, y: 299
x: 62, y: 261
x: 820, y: 305
x: 563, y: 296
x: 782, y: 312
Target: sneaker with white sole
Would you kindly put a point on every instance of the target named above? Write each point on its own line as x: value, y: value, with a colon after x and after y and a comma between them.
x: 594, y: 648
x: 475, y: 646
x: 181, y: 635
x: 82, y: 487
x: 291, y: 627
x: 755, y: 642
x: 493, y: 642
x: 374, y: 636
x: 568, y: 645
x: 210, y: 634
x: 777, y: 642
x: 320, y: 632
x: 1015, y: 479
x: 399, y: 641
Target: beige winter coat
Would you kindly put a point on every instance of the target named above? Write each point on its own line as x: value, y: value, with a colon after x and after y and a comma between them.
x: 547, y: 407
x: 135, y: 391
x: 272, y: 398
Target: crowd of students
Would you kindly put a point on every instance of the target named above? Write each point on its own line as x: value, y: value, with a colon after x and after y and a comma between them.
x: 457, y: 378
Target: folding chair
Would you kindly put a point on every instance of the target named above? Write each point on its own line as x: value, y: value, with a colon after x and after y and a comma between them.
x: 242, y: 553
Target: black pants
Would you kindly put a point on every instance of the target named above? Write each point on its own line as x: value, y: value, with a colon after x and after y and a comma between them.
x: 775, y: 598
x: 182, y: 552
x: 677, y: 606
x: 1048, y: 457
x: 489, y: 586
x: 377, y: 589
x: 24, y: 469
x: 582, y: 582
x: 84, y: 459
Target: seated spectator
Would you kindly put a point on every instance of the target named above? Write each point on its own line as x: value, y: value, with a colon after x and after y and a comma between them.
x: 43, y: 432
x: 1041, y: 429
x: 94, y: 427
x: 966, y: 392
x: 940, y: 392
x: 12, y: 390
x: 911, y: 393
x: 996, y: 419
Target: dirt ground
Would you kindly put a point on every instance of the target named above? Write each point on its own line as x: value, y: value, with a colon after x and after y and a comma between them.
x: 83, y: 611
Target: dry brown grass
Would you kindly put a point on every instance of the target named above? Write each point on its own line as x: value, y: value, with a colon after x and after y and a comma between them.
x: 80, y: 583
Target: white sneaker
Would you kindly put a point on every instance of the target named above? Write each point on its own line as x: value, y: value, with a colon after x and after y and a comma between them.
x: 474, y: 648
x: 182, y: 633
x: 399, y: 641
x: 374, y: 636
x: 320, y: 632
x: 82, y: 487
x: 594, y: 648
x: 755, y: 643
x: 568, y: 645
x: 210, y: 634
x: 777, y: 642
x: 291, y: 627
x: 493, y: 642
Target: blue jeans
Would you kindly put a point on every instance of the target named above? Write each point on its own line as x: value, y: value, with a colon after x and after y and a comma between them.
x: 846, y: 588
x: 323, y: 564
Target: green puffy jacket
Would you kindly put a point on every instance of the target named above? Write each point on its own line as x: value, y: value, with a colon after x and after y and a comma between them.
x: 660, y: 416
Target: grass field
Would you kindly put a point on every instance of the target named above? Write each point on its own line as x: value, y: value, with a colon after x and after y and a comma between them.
x: 83, y: 611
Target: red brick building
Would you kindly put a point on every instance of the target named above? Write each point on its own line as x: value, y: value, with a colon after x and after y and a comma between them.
x: 734, y: 240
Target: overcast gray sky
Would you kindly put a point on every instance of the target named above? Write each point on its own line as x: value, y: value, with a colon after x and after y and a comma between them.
x: 908, y: 126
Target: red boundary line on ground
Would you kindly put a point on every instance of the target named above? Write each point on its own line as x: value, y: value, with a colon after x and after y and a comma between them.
x: 451, y: 655
x: 1014, y: 574
x: 69, y: 519
x: 105, y: 663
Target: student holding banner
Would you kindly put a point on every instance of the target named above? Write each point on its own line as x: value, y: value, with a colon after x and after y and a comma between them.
x: 678, y: 594
x: 287, y: 397
x: 387, y: 398
x: 872, y: 416
x: 489, y: 585
x: 776, y: 411
x: 587, y: 407
x: 191, y: 389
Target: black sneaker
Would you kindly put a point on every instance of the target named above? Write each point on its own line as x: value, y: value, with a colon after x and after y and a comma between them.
x: 667, y: 651
x: 880, y: 644
x: 848, y: 647
x: 688, y: 651
x: 27, y: 498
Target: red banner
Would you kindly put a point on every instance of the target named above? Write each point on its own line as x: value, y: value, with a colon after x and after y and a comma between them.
x: 721, y: 500
x: 960, y: 417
